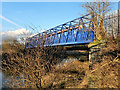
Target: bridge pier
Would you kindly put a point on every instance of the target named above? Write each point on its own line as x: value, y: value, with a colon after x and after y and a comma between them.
x: 79, y: 52
x: 95, y: 52
x: 88, y: 52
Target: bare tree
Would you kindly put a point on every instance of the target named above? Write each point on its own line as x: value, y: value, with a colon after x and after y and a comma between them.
x: 98, y: 11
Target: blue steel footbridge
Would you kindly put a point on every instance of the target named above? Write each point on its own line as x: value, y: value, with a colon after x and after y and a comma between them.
x: 75, y: 32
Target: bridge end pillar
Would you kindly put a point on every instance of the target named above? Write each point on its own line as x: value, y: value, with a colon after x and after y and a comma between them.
x: 95, y: 53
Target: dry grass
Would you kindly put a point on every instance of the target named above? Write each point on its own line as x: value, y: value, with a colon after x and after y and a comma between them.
x: 32, y: 64
x: 70, y: 75
x: 38, y: 68
x: 106, y: 73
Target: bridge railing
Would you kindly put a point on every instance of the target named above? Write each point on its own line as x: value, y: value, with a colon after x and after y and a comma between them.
x: 77, y: 31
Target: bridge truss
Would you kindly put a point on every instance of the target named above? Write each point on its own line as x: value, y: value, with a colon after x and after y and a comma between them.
x: 77, y: 31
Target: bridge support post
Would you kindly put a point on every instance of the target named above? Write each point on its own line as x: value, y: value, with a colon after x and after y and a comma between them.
x: 95, y: 52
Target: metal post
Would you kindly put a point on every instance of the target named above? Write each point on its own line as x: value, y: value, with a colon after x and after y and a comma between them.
x: 118, y: 34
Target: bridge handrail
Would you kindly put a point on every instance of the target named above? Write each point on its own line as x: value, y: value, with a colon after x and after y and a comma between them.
x: 55, y: 28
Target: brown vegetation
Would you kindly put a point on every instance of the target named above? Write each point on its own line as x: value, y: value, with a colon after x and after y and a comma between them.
x: 105, y: 74
x: 30, y: 63
x: 38, y: 67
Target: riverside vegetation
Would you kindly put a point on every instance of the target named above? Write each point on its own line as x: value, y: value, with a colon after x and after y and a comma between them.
x: 37, y: 67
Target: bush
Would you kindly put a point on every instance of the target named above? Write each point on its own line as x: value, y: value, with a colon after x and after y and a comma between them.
x: 29, y: 64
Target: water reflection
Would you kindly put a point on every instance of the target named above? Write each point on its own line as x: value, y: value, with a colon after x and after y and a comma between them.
x: 10, y: 81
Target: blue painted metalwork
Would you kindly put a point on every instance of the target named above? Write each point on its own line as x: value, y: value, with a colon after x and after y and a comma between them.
x: 77, y: 31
